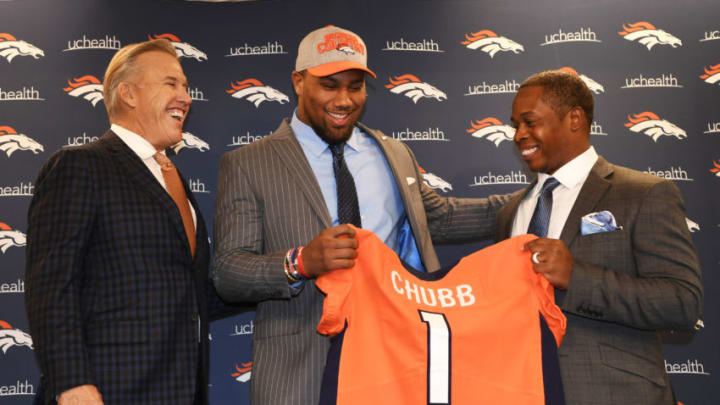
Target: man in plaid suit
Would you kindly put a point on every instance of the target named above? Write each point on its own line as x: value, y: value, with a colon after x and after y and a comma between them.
x: 117, y: 262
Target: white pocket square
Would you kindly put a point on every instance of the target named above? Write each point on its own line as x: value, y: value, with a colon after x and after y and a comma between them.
x: 596, y: 222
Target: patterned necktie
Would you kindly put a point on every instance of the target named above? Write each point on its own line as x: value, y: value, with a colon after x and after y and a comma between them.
x: 540, y: 220
x: 177, y: 192
x: 347, y: 199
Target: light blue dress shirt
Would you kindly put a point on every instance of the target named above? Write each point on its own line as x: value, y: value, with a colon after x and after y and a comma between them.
x: 381, y: 206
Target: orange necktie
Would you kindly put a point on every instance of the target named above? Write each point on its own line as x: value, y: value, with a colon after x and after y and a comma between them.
x: 177, y: 192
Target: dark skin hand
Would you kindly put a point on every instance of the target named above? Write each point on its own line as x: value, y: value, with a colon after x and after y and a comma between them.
x: 333, y: 248
x: 556, y: 261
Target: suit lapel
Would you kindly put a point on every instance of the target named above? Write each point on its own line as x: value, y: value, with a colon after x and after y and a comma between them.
x: 291, y: 155
x: 144, y: 180
x: 593, y: 189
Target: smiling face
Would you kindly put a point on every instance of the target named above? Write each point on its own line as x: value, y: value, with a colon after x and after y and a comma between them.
x: 331, y: 105
x: 545, y: 140
x: 157, y: 98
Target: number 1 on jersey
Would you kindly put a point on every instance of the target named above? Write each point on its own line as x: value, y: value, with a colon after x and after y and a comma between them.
x: 438, y: 381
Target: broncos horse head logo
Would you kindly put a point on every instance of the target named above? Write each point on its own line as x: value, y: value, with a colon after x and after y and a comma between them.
x: 183, y: 49
x: 412, y: 87
x: 716, y: 169
x: 243, y: 373
x: 491, y: 129
x: 10, y: 237
x: 87, y: 87
x: 10, y: 337
x: 190, y: 141
x: 10, y: 47
x: 712, y: 74
x: 651, y: 125
x: 255, y: 92
x: 10, y: 141
x: 435, y: 182
x: 692, y: 225
x: 490, y: 43
x: 594, y: 86
x: 648, y: 35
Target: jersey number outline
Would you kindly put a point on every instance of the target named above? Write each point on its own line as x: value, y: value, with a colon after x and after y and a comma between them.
x: 439, y: 355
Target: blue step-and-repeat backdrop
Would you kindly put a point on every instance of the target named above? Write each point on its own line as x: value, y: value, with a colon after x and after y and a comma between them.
x: 447, y: 73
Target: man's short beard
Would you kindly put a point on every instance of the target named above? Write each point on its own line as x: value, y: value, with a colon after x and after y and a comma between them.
x: 320, y: 131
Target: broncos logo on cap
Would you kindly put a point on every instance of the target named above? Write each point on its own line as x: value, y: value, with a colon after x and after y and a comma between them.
x: 190, y: 141
x: 412, y: 87
x: 10, y: 141
x: 10, y: 47
x: 712, y: 74
x: 434, y: 181
x: 183, y: 49
x: 10, y: 237
x: 243, y: 373
x: 490, y: 43
x: 10, y: 337
x: 491, y: 129
x: 594, y: 86
x: 648, y: 35
x: 651, y: 125
x: 87, y: 87
x: 716, y: 170
x: 255, y: 92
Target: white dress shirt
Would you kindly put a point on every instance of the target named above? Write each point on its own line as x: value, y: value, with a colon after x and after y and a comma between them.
x: 145, y: 152
x: 571, y: 177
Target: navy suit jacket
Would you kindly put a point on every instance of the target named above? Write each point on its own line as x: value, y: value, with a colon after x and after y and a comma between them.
x: 113, y: 293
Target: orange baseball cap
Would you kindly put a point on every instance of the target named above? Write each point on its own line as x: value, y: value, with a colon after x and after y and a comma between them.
x: 330, y: 50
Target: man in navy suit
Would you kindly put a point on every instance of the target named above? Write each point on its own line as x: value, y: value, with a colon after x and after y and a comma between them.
x: 118, y: 253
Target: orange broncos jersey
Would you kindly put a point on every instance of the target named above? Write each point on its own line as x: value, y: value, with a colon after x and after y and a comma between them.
x: 471, y: 336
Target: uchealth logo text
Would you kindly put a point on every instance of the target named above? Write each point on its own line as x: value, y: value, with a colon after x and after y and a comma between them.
x: 492, y: 179
x: 13, y: 337
x: 10, y: 47
x: 712, y: 74
x: 244, y: 329
x: 687, y: 367
x: 491, y: 43
x: 673, y: 173
x: 84, y: 43
x: 79, y: 140
x: 255, y: 92
x: 242, y: 374
x: 582, y: 35
x: 22, y: 94
x: 596, y: 129
x: 424, y: 45
x: 711, y: 36
x: 247, y: 139
x: 508, y: 86
x: 20, y: 190
x: 716, y: 169
x: 491, y: 129
x: 20, y: 388
x: 190, y: 141
x: 87, y: 87
x: 413, y: 88
x: 12, y: 141
x: 13, y: 287
x: 713, y: 128
x: 594, y: 86
x: 270, y: 48
x: 10, y: 237
x: 646, y: 34
x: 183, y: 49
x: 425, y: 134
x: 196, y: 94
x: 197, y: 186
x: 640, y: 81
x: 652, y: 125
x: 434, y: 181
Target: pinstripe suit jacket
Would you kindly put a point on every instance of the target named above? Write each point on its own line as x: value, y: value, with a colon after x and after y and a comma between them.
x: 113, y: 293
x: 626, y: 285
x: 268, y: 202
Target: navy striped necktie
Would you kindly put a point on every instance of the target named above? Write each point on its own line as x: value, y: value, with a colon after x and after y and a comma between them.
x: 347, y: 199
x: 540, y: 221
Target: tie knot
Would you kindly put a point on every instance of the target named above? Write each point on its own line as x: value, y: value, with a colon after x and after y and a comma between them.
x: 163, y: 161
x: 337, y: 149
x: 549, y: 185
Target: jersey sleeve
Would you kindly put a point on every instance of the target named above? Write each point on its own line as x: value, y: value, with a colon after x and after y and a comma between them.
x: 336, y: 286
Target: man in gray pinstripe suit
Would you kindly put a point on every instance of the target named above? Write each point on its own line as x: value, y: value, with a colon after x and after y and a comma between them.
x: 279, y: 194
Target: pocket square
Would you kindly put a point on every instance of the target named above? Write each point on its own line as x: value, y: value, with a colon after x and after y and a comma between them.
x: 597, y: 222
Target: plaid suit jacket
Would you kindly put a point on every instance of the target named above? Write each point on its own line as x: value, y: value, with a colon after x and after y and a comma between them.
x: 113, y: 294
x: 268, y: 202
x: 626, y: 286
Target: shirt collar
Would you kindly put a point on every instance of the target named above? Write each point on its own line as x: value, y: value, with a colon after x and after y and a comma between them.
x: 571, y: 173
x: 315, y: 145
x: 137, y: 143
